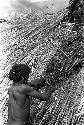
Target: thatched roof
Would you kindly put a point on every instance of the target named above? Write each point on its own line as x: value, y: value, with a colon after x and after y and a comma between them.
x: 55, y: 47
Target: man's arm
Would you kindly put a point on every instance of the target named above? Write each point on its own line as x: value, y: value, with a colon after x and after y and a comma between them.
x: 42, y: 96
x: 31, y: 92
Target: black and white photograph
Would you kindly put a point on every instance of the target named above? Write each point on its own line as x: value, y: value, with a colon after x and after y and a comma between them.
x: 41, y: 62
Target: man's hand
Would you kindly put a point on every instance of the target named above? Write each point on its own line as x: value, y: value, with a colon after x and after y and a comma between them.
x: 51, y: 89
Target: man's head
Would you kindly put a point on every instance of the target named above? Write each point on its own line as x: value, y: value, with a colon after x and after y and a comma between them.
x: 19, y: 72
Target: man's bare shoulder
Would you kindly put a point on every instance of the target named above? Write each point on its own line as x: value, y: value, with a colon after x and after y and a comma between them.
x: 23, y: 88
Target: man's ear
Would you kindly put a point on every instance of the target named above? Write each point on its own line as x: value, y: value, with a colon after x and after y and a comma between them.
x: 22, y: 80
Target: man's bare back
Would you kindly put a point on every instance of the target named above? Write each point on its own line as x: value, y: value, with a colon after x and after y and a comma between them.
x: 19, y: 106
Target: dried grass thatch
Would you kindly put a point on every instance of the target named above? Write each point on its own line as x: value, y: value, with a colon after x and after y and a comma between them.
x: 56, y: 48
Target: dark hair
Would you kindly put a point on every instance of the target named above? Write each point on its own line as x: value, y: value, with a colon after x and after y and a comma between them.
x: 18, y: 72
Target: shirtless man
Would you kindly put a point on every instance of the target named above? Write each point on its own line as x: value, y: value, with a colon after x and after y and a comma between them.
x: 19, y: 92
